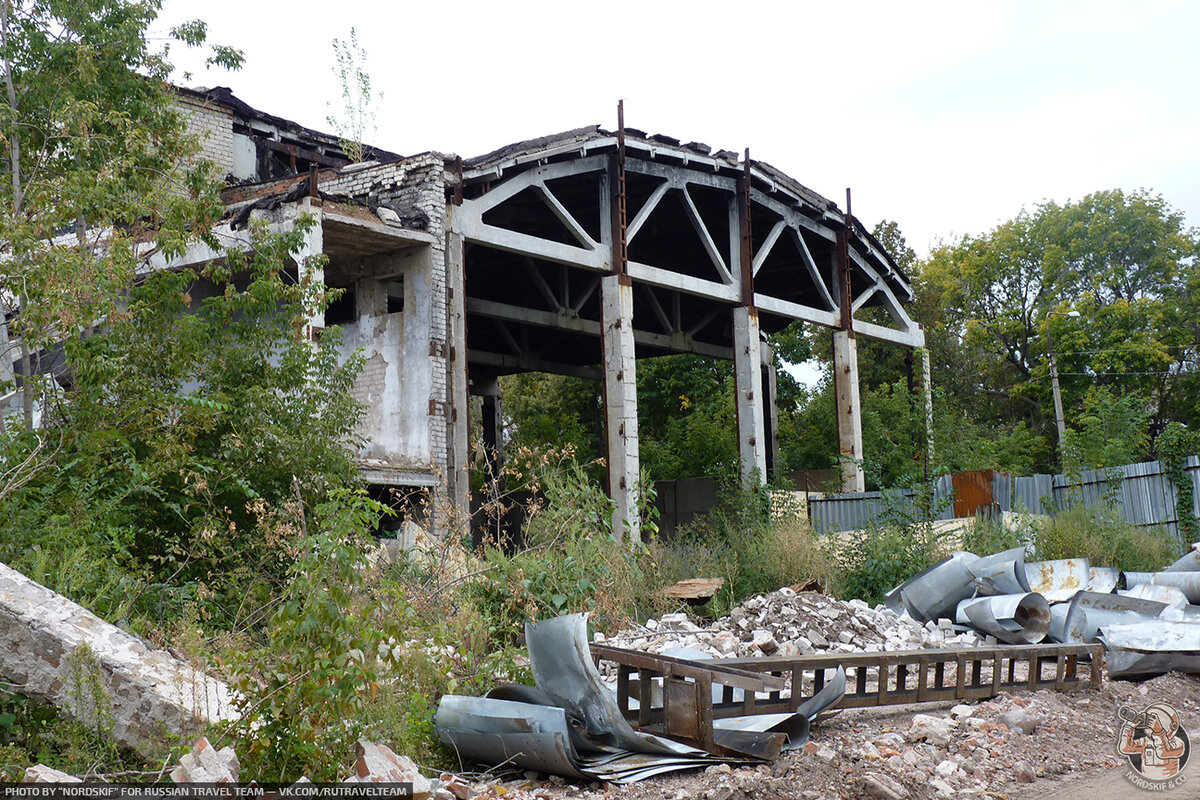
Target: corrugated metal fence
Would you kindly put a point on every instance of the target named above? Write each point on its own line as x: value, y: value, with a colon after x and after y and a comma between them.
x: 1142, y: 492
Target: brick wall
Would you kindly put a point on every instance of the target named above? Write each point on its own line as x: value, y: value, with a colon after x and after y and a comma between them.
x: 213, y: 124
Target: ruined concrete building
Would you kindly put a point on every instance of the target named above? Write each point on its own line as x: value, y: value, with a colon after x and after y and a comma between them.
x: 576, y: 253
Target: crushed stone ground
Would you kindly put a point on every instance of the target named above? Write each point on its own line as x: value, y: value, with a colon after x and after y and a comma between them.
x: 1019, y: 745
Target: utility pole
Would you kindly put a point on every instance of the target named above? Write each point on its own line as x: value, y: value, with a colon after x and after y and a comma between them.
x: 1059, y: 419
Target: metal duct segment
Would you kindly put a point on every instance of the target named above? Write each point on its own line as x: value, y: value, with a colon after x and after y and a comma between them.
x: 1068, y: 624
x: 1187, y: 582
x: 1146, y: 649
x: 1190, y: 562
x: 1058, y: 580
x: 1152, y: 591
x: 1006, y: 577
x: 1012, y: 618
x: 937, y: 591
x: 1103, y: 579
x: 1088, y: 612
x: 491, y: 731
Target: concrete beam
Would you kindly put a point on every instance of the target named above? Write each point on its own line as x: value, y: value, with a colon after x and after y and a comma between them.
x: 747, y: 371
x: 58, y: 652
x: 620, y: 404
x: 849, y: 410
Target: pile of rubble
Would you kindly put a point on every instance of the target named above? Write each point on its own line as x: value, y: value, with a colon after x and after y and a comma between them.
x: 790, y: 623
x: 1149, y: 622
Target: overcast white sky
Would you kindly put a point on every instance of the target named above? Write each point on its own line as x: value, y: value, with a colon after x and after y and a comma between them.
x: 944, y: 116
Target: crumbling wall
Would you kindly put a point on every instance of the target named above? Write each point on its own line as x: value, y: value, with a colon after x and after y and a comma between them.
x: 404, y: 382
x: 57, y: 651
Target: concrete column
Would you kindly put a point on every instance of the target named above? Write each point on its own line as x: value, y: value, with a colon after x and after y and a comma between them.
x: 747, y: 372
x: 770, y: 412
x: 457, y: 465
x: 620, y: 403
x: 491, y: 428
x: 310, y: 267
x: 927, y: 399
x: 849, y: 410
x: 493, y: 424
x: 7, y: 350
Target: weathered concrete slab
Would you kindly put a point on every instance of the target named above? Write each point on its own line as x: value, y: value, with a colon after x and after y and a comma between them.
x: 64, y: 654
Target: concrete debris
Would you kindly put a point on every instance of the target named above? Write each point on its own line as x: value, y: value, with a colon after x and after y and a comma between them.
x: 43, y: 774
x: 1020, y: 719
x: 935, y: 730
x: 204, y: 764
x: 55, y: 648
x: 376, y: 763
x: 880, y: 787
x: 799, y: 623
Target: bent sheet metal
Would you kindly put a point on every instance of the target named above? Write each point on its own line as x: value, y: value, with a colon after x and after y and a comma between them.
x: 570, y: 723
x: 1145, y: 649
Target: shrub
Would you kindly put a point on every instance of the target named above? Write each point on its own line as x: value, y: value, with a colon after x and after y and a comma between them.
x: 882, y: 557
x: 741, y: 541
x: 1104, y: 538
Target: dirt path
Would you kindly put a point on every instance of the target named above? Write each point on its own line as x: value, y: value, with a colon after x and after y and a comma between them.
x: 1103, y: 785
x: 1027, y: 745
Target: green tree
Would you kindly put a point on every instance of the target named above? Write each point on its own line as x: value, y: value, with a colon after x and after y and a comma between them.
x: 1123, y: 261
x: 357, y: 121
x: 97, y: 168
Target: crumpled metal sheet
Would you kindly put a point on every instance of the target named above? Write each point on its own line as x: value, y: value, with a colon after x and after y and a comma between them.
x: 937, y: 591
x: 570, y: 724
x: 1187, y: 582
x: 1103, y: 579
x: 1058, y: 580
x: 1013, y: 618
x: 1190, y: 562
x: 562, y: 667
x: 1006, y: 577
x: 1146, y: 649
x: 1088, y: 612
x: 1153, y: 591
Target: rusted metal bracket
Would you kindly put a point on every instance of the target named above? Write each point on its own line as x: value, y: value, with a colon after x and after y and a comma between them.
x: 675, y: 696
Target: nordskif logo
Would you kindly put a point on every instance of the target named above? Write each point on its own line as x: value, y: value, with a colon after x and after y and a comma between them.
x: 1156, y: 745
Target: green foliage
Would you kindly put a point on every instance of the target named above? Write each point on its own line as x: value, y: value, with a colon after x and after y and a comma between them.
x: 358, y: 99
x: 880, y: 558
x: 1104, y: 538
x: 1175, y: 444
x: 189, y: 423
x: 556, y: 411
x: 985, y: 535
x: 898, y: 543
x: 1111, y: 431
x: 1125, y: 262
x: 740, y: 540
x: 303, y: 693
x: 96, y: 162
